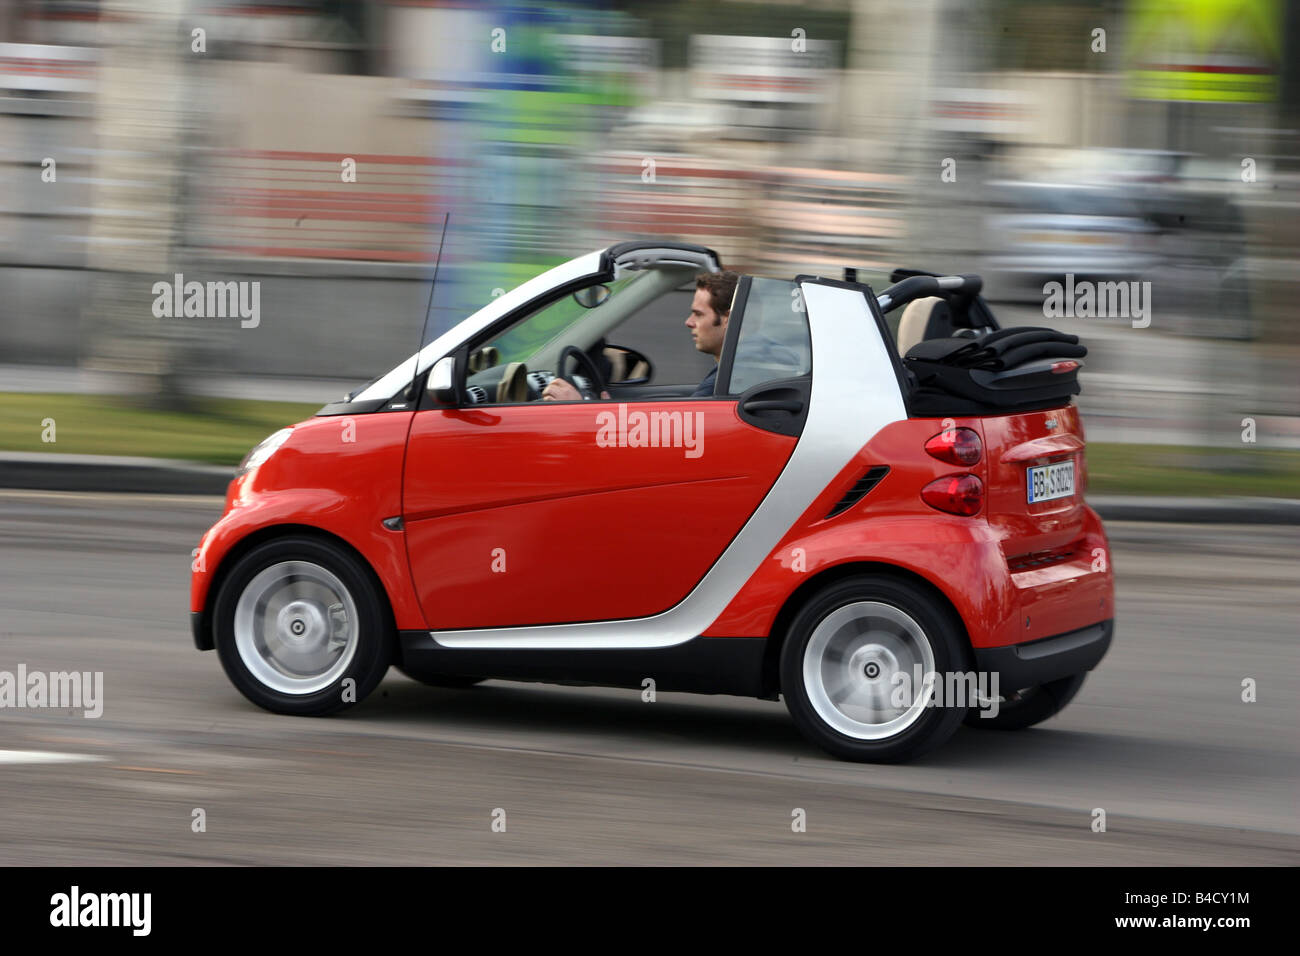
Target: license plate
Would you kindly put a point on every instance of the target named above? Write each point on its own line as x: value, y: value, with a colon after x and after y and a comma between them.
x: 1047, y: 482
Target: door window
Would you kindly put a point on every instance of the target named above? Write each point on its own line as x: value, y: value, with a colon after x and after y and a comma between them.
x: 773, y: 342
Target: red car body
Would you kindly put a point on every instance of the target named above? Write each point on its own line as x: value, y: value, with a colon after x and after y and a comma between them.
x: 503, y: 542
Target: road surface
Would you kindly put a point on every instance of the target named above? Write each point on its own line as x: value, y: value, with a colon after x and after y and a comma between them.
x: 1159, y: 737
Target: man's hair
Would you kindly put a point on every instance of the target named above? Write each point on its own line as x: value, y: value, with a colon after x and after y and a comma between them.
x: 721, y: 287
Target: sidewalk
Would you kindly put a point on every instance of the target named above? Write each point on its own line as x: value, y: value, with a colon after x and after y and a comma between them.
x: 103, y: 473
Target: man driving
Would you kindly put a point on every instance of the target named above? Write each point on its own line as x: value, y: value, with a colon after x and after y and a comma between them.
x: 707, y: 321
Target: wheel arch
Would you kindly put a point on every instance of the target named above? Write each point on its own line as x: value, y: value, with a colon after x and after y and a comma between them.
x: 804, y: 592
x: 205, y: 640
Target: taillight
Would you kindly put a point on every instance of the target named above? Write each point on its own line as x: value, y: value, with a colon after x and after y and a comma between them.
x: 956, y: 446
x: 1060, y: 368
x: 956, y: 494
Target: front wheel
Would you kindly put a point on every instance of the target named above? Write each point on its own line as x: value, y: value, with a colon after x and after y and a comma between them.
x: 855, y: 662
x: 301, y: 627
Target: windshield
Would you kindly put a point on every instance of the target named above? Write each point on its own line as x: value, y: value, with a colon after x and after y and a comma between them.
x: 388, y: 384
x: 523, y: 340
x: 539, y: 339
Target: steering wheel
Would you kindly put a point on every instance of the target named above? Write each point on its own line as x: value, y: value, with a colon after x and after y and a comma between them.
x: 586, y: 366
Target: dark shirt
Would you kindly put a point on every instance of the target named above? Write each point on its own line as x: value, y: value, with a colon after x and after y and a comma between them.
x: 706, y: 387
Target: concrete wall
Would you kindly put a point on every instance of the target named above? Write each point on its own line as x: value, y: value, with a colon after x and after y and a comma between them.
x: 330, y: 324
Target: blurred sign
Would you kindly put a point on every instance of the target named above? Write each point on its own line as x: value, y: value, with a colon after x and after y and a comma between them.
x: 47, y: 69
x: 614, y: 62
x: 761, y: 69
x: 975, y: 110
x: 1210, y: 51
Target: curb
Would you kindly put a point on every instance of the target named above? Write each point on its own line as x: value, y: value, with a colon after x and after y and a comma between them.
x: 103, y: 473
x: 110, y: 473
x: 1270, y: 511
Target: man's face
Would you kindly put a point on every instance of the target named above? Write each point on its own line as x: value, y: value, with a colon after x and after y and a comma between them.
x: 707, y: 328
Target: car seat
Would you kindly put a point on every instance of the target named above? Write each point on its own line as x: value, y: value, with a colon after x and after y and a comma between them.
x: 923, y: 319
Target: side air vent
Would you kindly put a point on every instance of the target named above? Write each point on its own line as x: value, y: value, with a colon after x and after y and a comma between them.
x: 859, y: 490
x: 477, y: 394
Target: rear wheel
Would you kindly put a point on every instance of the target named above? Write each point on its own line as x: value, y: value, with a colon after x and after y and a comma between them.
x: 1030, y: 706
x: 301, y: 627
x: 850, y: 665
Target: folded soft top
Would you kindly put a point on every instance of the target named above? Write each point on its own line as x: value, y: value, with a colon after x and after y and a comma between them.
x: 1005, y: 371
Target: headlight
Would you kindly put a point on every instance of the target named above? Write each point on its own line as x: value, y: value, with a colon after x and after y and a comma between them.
x: 262, y: 451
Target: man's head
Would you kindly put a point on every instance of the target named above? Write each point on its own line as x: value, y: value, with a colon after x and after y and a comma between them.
x: 710, y: 310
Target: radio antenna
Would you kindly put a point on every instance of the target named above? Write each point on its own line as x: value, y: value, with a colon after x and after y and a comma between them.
x: 428, y: 313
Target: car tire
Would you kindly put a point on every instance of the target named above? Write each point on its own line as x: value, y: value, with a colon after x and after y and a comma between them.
x: 455, y: 681
x: 828, y: 653
x: 295, y: 620
x: 1032, y: 706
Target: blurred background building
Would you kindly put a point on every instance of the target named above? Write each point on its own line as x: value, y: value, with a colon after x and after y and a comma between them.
x: 315, y: 147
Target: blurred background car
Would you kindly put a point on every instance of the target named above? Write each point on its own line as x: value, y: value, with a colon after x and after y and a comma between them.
x: 1043, y: 231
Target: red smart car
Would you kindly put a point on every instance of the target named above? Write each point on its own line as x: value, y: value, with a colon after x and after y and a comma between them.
x: 887, y: 528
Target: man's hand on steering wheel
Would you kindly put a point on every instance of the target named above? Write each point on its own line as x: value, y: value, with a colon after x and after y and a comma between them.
x: 562, y: 388
x: 558, y: 390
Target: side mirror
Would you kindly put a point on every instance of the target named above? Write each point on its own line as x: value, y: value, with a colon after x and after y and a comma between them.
x: 442, y: 381
x: 486, y: 357
x: 591, y: 296
x: 628, y: 366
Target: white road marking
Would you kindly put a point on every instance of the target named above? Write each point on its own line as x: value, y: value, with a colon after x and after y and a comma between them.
x: 43, y: 756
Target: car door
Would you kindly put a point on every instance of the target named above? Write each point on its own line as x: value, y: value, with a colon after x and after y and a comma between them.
x: 554, y: 513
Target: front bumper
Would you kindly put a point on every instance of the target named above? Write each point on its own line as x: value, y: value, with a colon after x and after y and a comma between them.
x: 200, y: 631
x: 1048, y: 658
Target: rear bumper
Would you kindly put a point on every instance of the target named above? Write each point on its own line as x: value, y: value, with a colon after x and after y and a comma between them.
x: 1049, y: 658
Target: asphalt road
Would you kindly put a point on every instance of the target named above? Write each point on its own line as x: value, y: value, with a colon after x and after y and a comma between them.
x: 1159, y: 737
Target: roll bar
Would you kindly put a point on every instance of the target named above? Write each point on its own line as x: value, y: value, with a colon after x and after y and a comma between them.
x: 918, y: 287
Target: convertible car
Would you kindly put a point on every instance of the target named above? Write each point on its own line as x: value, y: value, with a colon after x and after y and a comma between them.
x: 853, y: 516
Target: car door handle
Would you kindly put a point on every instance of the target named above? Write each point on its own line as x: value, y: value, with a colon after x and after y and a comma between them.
x: 779, y: 406
x: 790, y: 405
